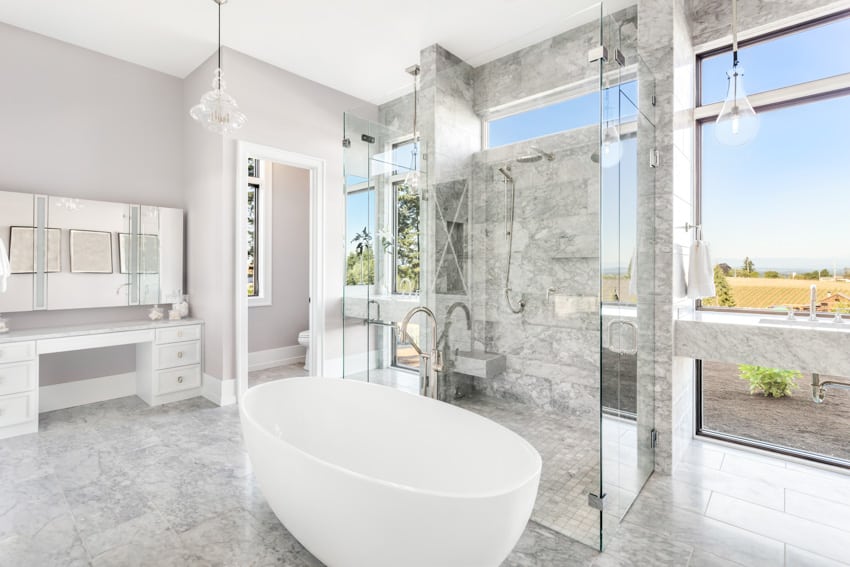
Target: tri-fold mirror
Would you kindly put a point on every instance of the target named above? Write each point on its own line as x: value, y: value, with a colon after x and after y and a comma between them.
x: 67, y: 253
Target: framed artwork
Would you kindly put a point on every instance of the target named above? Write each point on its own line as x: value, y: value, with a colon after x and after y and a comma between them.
x: 148, y: 253
x: 22, y: 250
x: 91, y: 252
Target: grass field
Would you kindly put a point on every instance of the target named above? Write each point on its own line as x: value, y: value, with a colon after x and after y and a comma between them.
x: 764, y: 293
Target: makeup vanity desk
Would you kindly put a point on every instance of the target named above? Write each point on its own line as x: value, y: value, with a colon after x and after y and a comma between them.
x: 169, y: 358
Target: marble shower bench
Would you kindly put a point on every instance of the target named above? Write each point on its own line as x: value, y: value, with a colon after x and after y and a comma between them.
x: 169, y: 359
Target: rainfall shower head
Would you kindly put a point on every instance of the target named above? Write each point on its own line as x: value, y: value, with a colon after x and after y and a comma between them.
x: 548, y: 155
x: 537, y: 156
x: 529, y: 159
x: 504, y: 171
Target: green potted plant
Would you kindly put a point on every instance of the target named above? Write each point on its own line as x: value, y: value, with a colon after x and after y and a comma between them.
x: 772, y: 382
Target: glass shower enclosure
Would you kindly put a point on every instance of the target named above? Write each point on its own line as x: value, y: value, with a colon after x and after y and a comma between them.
x: 535, y: 253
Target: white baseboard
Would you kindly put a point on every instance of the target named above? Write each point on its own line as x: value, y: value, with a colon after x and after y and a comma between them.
x: 219, y: 392
x: 263, y: 359
x: 80, y: 392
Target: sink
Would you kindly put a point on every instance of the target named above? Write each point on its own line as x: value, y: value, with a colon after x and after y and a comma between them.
x: 481, y: 364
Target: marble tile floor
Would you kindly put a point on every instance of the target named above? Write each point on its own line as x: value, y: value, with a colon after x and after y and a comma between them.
x: 569, y: 447
x: 119, y: 483
x: 256, y: 377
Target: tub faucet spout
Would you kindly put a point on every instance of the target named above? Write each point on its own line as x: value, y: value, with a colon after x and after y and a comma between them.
x: 432, y: 360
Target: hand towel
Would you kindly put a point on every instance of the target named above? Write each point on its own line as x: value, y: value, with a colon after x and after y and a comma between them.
x: 700, y: 272
x: 5, y: 268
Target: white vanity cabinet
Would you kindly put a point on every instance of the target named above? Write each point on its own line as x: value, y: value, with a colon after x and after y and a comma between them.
x: 169, y: 368
x: 18, y: 389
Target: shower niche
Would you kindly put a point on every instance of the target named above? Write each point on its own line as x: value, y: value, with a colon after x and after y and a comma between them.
x: 534, y: 253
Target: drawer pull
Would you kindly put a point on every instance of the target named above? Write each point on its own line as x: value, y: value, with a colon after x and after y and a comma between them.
x: 179, y: 333
x: 179, y: 379
x: 180, y: 354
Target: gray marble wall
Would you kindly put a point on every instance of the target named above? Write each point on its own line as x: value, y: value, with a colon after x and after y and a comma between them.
x: 552, y: 347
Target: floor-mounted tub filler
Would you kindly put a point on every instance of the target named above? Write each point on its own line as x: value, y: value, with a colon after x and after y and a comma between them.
x: 363, y: 474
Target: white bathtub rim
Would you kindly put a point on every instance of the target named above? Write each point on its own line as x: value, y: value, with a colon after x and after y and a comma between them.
x: 534, y: 477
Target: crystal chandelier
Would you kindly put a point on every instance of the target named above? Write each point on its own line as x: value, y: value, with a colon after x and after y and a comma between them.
x: 218, y: 111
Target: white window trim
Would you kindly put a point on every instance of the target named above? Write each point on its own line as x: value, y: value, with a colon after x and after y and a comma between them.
x: 263, y: 263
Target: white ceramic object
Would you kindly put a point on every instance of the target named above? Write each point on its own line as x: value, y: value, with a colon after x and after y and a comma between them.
x: 363, y: 474
x: 304, y: 340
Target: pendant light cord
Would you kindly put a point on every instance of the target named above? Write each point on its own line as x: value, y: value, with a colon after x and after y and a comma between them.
x: 219, y: 34
x: 734, y: 33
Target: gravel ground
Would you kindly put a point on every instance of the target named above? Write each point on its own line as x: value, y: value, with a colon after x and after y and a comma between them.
x: 794, y: 421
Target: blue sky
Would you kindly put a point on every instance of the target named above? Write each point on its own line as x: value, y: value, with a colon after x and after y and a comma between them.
x: 782, y: 199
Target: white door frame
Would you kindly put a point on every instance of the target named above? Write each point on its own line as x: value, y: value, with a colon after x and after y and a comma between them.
x: 317, y: 168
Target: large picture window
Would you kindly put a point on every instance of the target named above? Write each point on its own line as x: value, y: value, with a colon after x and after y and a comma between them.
x: 773, y: 211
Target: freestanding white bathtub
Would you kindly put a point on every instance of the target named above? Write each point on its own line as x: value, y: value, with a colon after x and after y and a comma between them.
x: 367, y: 476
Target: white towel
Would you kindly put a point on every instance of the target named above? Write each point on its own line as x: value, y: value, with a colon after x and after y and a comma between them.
x: 5, y: 269
x: 700, y: 271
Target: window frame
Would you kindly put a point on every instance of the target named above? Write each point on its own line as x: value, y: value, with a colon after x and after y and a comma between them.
x: 262, y: 234
x: 552, y: 97
x: 794, y: 95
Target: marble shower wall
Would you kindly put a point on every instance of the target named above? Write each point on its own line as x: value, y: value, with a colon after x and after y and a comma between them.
x: 552, y: 347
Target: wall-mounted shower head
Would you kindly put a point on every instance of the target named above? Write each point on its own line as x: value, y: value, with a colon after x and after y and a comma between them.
x: 504, y: 171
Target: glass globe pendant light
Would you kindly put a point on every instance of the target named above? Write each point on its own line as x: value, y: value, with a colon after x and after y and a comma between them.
x: 737, y: 123
x: 218, y: 111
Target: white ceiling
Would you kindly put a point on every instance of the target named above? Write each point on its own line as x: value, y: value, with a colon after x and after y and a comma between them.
x: 360, y: 47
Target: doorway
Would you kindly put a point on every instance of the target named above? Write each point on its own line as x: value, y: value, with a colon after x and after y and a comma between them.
x: 279, y: 298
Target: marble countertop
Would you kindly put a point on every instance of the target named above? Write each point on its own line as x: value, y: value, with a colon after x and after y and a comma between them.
x: 743, y: 338
x: 91, y: 329
x: 778, y: 321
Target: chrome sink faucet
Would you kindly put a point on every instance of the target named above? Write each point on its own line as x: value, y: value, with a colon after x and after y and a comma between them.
x: 432, y: 361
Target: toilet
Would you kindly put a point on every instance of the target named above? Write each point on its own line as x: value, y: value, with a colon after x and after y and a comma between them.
x: 304, y: 340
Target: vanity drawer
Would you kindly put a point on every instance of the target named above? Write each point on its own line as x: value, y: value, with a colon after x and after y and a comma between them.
x: 178, y: 354
x: 16, y: 378
x: 16, y: 409
x: 186, y: 378
x: 178, y: 334
x: 17, y: 352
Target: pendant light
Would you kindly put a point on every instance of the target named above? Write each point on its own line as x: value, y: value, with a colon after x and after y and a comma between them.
x: 411, y: 179
x: 217, y: 111
x: 737, y: 123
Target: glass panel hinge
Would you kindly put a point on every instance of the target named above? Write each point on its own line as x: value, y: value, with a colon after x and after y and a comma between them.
x: 653, y: 438
x: 346, y: 142
x: 596, y: 502
x: 600, y: 52
x: 654, y: 159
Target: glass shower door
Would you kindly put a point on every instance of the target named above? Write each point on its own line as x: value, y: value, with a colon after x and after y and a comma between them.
x: 381, y: 169
x: 626, y: 155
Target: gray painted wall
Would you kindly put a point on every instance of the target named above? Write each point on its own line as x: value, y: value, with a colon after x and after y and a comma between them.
x: 277, y: 325
x: 90, y: 126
